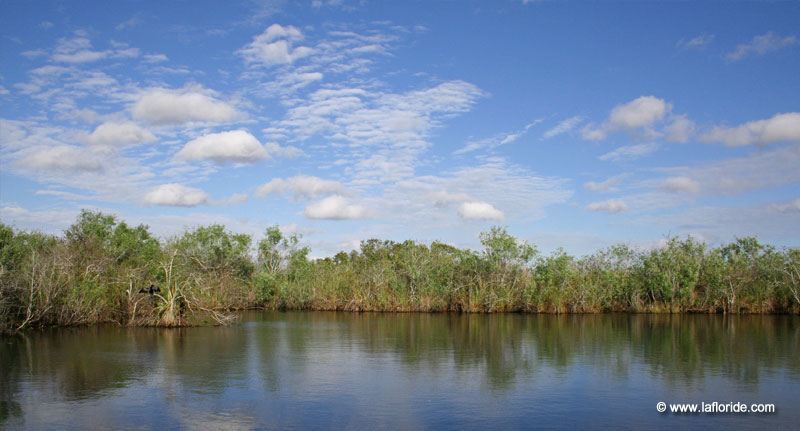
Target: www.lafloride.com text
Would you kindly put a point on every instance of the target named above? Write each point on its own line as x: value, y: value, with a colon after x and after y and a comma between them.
x: 715, y: 407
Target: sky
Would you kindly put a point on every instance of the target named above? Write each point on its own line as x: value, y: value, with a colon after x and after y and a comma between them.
x: 573, y: 124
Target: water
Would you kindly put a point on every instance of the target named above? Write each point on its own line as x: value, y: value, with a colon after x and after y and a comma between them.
x: 318, y: 370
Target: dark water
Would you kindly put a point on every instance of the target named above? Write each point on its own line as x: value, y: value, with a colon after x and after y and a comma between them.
x: 404, y: 371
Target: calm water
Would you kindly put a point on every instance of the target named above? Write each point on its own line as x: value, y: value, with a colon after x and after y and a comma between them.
x: 404, y: 371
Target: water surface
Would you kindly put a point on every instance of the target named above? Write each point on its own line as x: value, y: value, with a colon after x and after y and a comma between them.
x: 320, y: 370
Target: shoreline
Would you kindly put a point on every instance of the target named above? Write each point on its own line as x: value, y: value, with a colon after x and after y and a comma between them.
x: 237, y: 313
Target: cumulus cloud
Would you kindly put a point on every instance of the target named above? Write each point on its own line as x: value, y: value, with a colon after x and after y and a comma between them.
x: 301, y: 186
x: 62, y: 158
x: 761, y: 45
x: 563, y: 127
x: 639, y: 114
x: 629, y: 152
x: 779, y: 128
x: 335, y: 207
x: 237, y: 146
x: 174, y: 194
x: 119, y: 134
x: 479, y: 211
x: 680, y: 129
x: 680, y: 185
x: 275, y: 46
x: 164, y: 106
x: 609, y: 206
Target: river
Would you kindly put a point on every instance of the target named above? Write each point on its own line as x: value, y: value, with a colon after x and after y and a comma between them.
x: 326, y: 370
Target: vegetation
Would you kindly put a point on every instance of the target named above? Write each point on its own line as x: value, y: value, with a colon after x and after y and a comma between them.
x: 97, y: 271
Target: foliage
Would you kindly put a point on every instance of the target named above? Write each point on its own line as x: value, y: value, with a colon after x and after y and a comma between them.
x: 97, y: 270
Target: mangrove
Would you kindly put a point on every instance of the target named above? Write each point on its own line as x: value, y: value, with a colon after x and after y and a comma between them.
x: 102, y: 270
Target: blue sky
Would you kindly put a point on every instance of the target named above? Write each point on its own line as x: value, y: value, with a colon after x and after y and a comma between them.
x: 576, y: 125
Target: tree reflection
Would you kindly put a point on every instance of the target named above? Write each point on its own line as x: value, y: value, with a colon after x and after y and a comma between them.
x: 274, y: 352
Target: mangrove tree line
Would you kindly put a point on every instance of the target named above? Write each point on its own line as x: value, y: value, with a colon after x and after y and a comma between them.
x: 101, y: 268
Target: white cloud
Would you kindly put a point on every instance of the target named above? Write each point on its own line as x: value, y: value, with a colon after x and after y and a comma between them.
x: 52, y: 220
x: 696, y: 42
x: 779, y: 128
x: 603, y: 186
x: 46, y: 153
x: 277, y: 31
x: 427, y: 201
x: 680, y: 185
x: 386, y: 132
x: 154, y: 58
x: 563, y: 127
x: 119, y: 134
x: 316, y: 4
x: 629, y: 152
x: 639, y: 114
x: 741, y: 174
x: 78, y: 49
x: 62, y: 158
x: 725, y: 223
x: 479, y: 211
x: 165, y: 106
x: 443, y: 198
x: 684, y: 184
x: 761, y: 45
x: 237, y: 146
x: 288, y: 151
x: 274, y: 46
x: 681, y: 129
x: 496, y: 141
x: 174, y: 194
x: 236, y: 198
x: 291, y: 81
x: 301, y: 186
x: 133, y: 22
x: 343, y: 53
x: 610, y: 206
x: 788, y: 207
x: 65, y: 195
x: 334, y: 207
